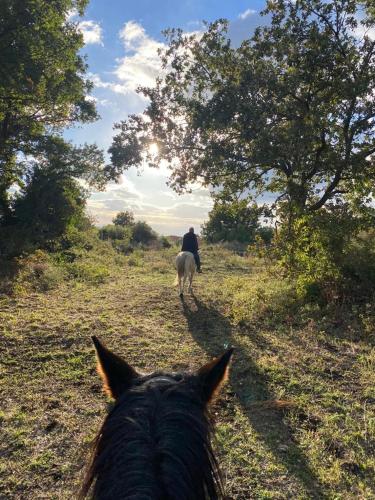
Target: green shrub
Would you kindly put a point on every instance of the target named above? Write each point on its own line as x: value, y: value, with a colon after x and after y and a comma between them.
x: 142, y: 233
x: 15, y: 241
x: 114, y: 232
x: 235, y: 246
x: 125, y: 219
x: 268, y: 299
x: 232, y: 220
x: 123, y: 247
x: 325, y: 257
x: 265, y: 234
x: 136, y: 259
x: 50, y: 203
x: 165, y: 243
x: 88, y: 272
x: 38, y: 272
x: 358, y: 266
x: 119, y: 236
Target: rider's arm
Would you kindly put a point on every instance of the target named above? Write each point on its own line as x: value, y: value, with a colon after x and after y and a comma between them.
x: 183, y: 242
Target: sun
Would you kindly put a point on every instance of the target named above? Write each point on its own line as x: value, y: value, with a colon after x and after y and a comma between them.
x: 153, y: 149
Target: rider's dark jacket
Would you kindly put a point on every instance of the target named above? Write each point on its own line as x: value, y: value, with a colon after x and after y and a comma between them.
x: 189, y: 243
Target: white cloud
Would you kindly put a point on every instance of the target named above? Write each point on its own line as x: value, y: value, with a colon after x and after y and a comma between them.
x: 141, y: 64
x: 92, y: 32
x: 96, y: 100
x: 147, y: 195
x: 98, y: 82
x: 362, y: 31
x: 133, y: 35
x: 246, y: 14
x: 151, y: 200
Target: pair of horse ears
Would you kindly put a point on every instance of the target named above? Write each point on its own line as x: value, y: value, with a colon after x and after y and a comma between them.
x: 118, y: 375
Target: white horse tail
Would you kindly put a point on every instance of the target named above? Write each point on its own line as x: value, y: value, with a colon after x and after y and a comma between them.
x: 185, y: 265
x: 180, y: 266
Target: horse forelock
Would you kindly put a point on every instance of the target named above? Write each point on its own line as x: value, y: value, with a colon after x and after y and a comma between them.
x: 156, y: 442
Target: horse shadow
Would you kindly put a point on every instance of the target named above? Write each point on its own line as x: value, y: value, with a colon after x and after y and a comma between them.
x: 213, y: 332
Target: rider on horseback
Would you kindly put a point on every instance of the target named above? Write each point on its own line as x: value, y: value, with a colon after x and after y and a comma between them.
x: 190, y: 244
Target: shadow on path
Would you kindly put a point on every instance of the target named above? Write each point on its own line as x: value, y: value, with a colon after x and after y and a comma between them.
x: 213, y: 332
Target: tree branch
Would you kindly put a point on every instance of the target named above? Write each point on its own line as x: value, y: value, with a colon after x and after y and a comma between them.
x: 329, y: 192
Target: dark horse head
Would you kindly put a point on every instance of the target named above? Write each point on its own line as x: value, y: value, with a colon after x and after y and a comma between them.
x: 155, y: 443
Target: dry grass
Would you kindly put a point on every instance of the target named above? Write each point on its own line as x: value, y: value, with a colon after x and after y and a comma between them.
x: 52, y: 402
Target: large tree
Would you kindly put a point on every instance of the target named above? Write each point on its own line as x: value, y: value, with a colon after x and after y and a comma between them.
x: 234, y: 220
x: 291, y: 110
x: 53, y: 196
x: 125, y: 219
x: 42, y: 81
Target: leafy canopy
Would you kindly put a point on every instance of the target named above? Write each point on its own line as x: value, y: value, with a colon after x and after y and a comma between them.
x: 124, y: 219
x: 142, y: 233
x: 232, y: 221
x: 290, y: 111
x: 51, y: 199
x: 42, y: 81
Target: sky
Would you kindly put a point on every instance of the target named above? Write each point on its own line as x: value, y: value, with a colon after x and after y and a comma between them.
x: 121, y: 43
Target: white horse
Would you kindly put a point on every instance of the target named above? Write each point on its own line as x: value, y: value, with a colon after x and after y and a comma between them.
x: 185, y: 265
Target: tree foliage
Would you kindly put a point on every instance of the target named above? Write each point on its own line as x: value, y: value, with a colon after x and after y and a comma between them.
x: 134, y: 232
x: 49, y: 205
x: 326, y: 255
x: 232, y: 221
x: 42, y: 85
x: 291, y: 110
x: 143, y: 233
x: 125, y: 219
x: 51, y: 199
x: 114, y: 232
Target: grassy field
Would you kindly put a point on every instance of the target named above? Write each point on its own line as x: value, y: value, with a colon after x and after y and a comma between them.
x: 321, y: 446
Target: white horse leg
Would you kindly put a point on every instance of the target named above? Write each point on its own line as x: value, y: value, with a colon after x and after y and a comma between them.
x: 185, y: 278
x: 190, y: 282
x: 180, y: 286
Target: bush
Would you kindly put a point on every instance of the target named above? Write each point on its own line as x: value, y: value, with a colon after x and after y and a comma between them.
x: 270, y: 300
x: 114, y: 232
x: 358, y: 265
x: 235, y: 247
x: 165, y: 243
x: 49, y: 204
x: 88, y: 272
x: 265, y: 234
x: 232, y: 221
x: 119, y: 236
x: 325, y: 256
x: 125, y: 219
x: 142, y: 233
x: 38, y: 272
x: 14, y: 241
x: 123, y: 247
x: 136, y: 259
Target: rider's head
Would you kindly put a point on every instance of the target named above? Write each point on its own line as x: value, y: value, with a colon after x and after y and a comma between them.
x: 191, y: 230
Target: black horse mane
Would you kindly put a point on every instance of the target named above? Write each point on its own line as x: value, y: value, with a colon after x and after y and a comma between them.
x: 155, y: 444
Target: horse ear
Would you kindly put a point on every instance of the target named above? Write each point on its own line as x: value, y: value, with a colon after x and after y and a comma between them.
x: 213, y: 375
x: 116, y: 373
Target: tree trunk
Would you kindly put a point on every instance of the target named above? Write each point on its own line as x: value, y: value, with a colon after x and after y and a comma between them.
x: 5, y: 210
